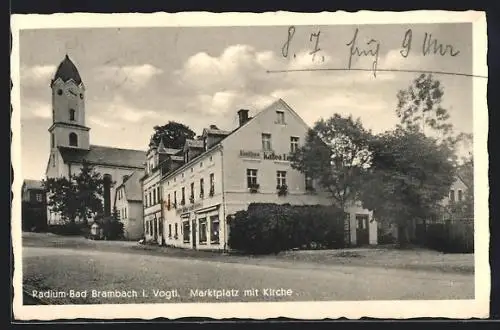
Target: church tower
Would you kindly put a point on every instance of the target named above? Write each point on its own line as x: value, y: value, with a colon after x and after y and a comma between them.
x: 68, y: 109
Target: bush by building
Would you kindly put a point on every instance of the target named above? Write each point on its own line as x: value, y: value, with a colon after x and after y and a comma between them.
x: 270, y: 228
x: 112, y: 228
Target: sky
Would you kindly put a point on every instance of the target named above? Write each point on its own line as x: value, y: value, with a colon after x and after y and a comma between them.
x: 136, y: 78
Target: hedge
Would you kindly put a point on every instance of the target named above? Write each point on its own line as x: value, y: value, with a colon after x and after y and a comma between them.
x: 450, y: 237
x: 270, y: 228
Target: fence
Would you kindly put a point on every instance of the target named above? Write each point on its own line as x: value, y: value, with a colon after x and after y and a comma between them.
x: 453, y: 236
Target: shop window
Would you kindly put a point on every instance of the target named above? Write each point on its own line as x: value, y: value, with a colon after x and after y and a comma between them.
x: 186, y: 231
x: 266, y: 142
x: 214, y: 229
x: 203, y: 230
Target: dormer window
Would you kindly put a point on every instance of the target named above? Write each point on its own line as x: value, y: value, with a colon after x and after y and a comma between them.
x: 72, y: 114
x: 59, y: 92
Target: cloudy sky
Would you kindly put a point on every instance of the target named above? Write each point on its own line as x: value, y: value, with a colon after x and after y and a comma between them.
x: 140, y: 77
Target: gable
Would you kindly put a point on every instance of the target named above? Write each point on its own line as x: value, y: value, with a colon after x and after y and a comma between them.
x: 265, y: 121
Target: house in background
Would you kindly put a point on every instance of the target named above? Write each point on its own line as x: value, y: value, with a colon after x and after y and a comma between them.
x: 34, y: 213
x: 128, y: 204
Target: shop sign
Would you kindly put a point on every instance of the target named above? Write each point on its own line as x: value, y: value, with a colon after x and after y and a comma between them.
x: 189, y: 208
x: 266, y: 155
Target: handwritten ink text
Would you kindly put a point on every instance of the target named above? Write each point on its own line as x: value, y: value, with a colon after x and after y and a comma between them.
x: 373, y: 50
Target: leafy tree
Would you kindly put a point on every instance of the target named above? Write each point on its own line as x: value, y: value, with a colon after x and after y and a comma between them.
x: 173, y: 134
x: 78, y: 197
x: 336, y: 154
x: 419, y: 106
x: 409, y: 177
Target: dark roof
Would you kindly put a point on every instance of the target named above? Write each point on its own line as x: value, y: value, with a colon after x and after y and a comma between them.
x: 194, y: 144
x: 67, y: 71
x: 214, y: 131
x: 104, y: 156
x: 133, y: 186
x: 32, y: 184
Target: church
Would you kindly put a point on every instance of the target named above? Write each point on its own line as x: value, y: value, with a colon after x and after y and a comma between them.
x: 70, y: 139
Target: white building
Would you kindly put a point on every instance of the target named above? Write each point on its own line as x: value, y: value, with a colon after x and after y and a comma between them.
x: 234, y: 169
x: 128, y: 204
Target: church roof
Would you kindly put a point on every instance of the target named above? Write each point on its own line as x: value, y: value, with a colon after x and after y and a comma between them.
x: 133, y: 189
x: 100, y: 155
x: 67, y: 71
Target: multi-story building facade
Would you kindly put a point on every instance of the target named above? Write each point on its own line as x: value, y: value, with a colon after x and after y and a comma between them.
x: 233, y: 169
x: 34, y: 212
x: 152, y: 199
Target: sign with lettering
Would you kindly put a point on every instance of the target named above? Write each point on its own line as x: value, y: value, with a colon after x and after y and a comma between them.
x: 266, y: 155
x: 189, y: 208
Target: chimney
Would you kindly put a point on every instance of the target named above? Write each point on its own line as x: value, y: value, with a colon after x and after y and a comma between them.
x: 243, y: 116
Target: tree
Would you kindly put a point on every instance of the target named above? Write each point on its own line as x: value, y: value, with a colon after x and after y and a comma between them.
x: 409, y: 177
x: 78, y: 197
x: 419, y: 106
x: 173, y: 134
x: 336, y: 154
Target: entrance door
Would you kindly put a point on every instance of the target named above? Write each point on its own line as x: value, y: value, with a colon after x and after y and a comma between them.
x: 362, y: 229
x: 193, y: 233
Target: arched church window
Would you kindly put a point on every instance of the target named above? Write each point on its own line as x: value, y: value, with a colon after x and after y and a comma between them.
x: 73, y: 139
x: 72, y: 114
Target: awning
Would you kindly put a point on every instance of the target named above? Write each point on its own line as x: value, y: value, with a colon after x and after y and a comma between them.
x: 208, y: 209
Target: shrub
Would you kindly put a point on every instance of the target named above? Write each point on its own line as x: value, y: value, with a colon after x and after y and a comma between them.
x: 67, y: 229
x: 451, y: 237
x: 271, y: 228
x: 112, y: 227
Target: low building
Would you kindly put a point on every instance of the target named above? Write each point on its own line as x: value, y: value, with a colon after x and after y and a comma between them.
x: 34, y: 214
x: 128, y: 204
x: 235, y: 168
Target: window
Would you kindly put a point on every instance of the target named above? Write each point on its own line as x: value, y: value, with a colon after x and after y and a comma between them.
x: 186, y: 231
x: 309, y: 183
x: 150, y: 199
x: 294, y: 143
x: 147, y: 228
x: 39, y: 198
x: 214, y: 229
x: 52, y: 143
x: 281, y: 178
x: 201, y: 164
x: 460, y: 195
x: 203, y: 230
x: 266, y: 141
x: 73, y: 139
x: 145, y: 200
x: 168, y: 202
x: 202, y: 188
x: 175, y: 198
x: 212, y: 185
x: 211, y: 159
x: 72, y: 114
x: 53, y: 160
x: 125, y: 213
x: 452, y: 195
x: 158, y: 193
x: 191, y: 197
x: 251, y: 178
x: 183, y: 196
x: 176, y: 231
x: 154, y: 196
x: 280, y: 117
x: 169, y: 230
